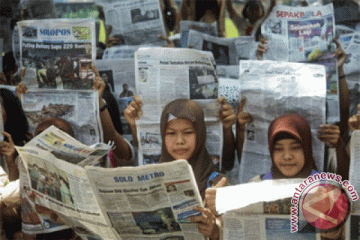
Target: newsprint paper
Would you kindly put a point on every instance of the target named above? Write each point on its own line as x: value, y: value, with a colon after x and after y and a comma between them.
x: 273, y: 88
x: 79, y: 107
x: 136, y: 21
x: 57, y: 53
x: 163, y: 75
x: 147, y: 202
x: 305, y: 34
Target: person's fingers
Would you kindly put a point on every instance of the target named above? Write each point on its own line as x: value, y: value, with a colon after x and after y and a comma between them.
x: 10, y: 140
x: 137, y: 100
x: 241, y: 104
x: 22, y: 74
x: 337, y: 43
x: 221, y: 100
x: 95, y: 70
x: 206, y: 213
x: 222, y: 182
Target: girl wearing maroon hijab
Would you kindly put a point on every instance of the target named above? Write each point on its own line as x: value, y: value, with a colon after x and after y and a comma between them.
x: 289, y: 138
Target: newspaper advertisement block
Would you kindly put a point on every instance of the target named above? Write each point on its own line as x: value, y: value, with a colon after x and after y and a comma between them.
x: 305, y: 34
x: 58, y: 53
x: 274, y: 88
x: 163, y: 75
x: 80, y: 108
x: 149, y: 202
x: 137, y: 22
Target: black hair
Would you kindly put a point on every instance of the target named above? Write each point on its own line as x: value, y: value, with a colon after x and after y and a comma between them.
x: 9, y: 62
x: 250, y: 5
x: 202, y: 6
x: 169, y: 14
x: 16, y: 123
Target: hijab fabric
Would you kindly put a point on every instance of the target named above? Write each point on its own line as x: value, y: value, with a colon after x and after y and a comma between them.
x: 298, y: 128
x: 200, y: 161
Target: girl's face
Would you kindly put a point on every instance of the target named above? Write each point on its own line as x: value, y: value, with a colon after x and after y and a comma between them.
x: 288, y: 156
x: 180, y: 138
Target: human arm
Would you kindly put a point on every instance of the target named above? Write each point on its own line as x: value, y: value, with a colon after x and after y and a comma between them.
x: 228, y: 118
x: 221, y: 22
x: 331, y: 135
x: 122, y: 150
x: 132, y: 113
x: 232, y: 12
x: 241, y: 119
x: 7, y: 149
x: 343, y: 88
x: 261, y: 48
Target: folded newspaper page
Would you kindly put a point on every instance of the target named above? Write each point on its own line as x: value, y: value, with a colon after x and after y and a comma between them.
x: 305, y: 34
x: 58, y: 53
x: 149, y: 202
x: 79, y: 108
x: 186, y: 26
x: 272, y: 89
x: 45, y: 178
x: 137, y: 22
x: 163, y: 75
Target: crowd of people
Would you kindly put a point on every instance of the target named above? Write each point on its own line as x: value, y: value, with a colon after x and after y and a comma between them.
x: 182, y: 123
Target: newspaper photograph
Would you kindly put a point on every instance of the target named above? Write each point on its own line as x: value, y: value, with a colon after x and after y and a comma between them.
x: 35, y: 218
x: 274, y: 88
x: 223, y: 49
x: 305, y: 34
x: 186, y: 26
x: 58, y: 53
x: 148, y: 202
x: 136, y: 22
x: 79, y: 108
x: 165, y: 74
x: 296, y: 3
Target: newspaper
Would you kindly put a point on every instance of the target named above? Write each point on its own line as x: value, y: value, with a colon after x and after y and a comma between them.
x: 149, y: 202
x: 223, y: 49
x: 80, y: 108
x: 298, y: 2
x: 305, y: 34
x: 37, y: 218
x: 345, y: 40
x: 120, y: 76
x: 352, y: 61
x: 163, y: 75
x: 58, y: 53
x: 274, y: 88
x: 186, y: 26
x: 121, y: 52
x: 137, y: 22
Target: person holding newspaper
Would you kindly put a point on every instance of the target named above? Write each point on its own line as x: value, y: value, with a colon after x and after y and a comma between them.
x: 183, y: 135
x: 123, y: 153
